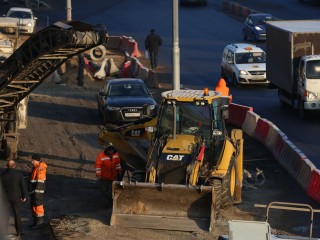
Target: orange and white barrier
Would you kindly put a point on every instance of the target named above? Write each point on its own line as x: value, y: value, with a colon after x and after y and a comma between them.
x: 262, y: 129
x: 237, y: 114
x: 313, y: 189
x: 250, y: 123
x: 271, y: 139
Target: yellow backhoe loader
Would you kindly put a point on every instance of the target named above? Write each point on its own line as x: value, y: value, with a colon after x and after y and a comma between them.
x: 187, y: 164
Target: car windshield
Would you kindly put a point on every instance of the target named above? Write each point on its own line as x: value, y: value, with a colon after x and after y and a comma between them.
x: 250, y: 57
x: 19, y: 14
x: 131, y: 90
x: 313, y: 69
x: 261, y: 20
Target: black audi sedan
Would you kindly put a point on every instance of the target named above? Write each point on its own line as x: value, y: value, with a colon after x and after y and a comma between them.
x: 125, y: 100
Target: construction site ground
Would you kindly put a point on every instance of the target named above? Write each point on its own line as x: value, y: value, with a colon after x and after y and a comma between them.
x: 63, y: 126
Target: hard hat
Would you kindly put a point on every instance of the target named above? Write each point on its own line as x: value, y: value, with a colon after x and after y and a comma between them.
x: 110, y: 147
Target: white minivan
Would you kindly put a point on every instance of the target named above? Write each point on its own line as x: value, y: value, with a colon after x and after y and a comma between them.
x: 244, y: 64
x: 26, y: 18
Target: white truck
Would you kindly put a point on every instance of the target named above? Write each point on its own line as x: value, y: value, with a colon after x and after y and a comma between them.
x: 293, y: 65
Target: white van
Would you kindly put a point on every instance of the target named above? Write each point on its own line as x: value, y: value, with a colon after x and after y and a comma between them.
x: 244, y: 64
x: 27, y: 20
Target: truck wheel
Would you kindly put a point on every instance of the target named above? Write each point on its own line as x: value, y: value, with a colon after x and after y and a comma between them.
x: 229, y: 186
x: 301, y: 108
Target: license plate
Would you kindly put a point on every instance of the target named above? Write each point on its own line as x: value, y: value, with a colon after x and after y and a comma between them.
x: 258, y: 77
x: 132, y: 114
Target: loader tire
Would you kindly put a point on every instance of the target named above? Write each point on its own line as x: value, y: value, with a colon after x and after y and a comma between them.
x: 229, y: 186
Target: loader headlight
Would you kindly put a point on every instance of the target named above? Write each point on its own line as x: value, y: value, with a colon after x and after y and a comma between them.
x: 216, y: 132
x: 200, y: 103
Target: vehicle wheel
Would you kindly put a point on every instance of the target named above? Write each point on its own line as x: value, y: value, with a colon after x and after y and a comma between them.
x: 223, y: 74
x: 301, y: 109
x: 229, y: 186
x: 99, y: 110
x: 235, y: 81
x: 245, y: 38
x: 254, y: 38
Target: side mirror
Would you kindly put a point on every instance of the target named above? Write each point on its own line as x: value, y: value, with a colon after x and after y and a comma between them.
x: 102, y: 94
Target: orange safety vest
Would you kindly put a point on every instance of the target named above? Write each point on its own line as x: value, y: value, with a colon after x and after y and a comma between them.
x: 108, y: 167
x: 222, y: 87
x: 37, y: 187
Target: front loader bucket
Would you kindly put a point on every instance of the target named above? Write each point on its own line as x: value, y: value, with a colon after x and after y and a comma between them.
x: 166, y: 206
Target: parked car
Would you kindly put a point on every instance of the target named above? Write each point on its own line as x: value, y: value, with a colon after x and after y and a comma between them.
x: 244, y: 64
x: 193, y: 2
x: 255, y: 26
x: 124, y: 100
x: 27, y: 20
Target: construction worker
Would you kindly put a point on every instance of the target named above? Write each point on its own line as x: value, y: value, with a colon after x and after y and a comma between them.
x: 108, y: 169
x: 37, y: 190
x: 15, y: 192
x: 223, y: 89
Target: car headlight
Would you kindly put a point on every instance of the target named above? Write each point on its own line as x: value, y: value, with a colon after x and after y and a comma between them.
x: 113, y: 108
x: 258, y: 28
x: 152, y: 107
x: 311, y: 95
x: 242, y: 72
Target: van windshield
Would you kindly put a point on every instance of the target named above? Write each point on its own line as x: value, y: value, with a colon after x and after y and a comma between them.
x: 313, y: 69
x: 250, y: 57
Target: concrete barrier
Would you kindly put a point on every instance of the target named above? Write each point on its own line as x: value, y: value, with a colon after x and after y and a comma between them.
x: 313, y: 189
x: 98, y: 53
x: 250, y: 123
x: 133, y: 49
x: 113, y: 70
x: 276, y: 151
x: 273, y: 133
x: 126, y: 72
x: 304, y: 173
x: 143, y: 73
x: 237, y: 114
x: 113, y: 42
x: 262, y: 129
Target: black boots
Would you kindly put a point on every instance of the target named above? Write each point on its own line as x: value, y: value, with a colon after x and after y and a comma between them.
x: 38, y: 223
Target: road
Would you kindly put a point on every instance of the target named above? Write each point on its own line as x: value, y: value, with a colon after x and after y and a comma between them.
x: 63, y: 120
x: 202, y: 40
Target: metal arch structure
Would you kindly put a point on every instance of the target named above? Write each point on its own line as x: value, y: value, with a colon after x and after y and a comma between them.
x: 41, y: 55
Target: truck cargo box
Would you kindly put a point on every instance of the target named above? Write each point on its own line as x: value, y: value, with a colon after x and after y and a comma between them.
x: 287, y: 41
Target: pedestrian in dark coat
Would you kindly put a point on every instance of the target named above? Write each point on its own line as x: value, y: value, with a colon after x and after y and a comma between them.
x: 152, y: 43
x: 15, y: 190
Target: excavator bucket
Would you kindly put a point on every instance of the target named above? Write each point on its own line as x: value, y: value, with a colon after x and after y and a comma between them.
x: 165, y: 206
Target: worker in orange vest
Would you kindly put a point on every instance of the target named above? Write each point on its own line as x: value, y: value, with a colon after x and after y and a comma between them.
x: 108, y: 169
x: 223, y: 89
x: 37, y: 190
